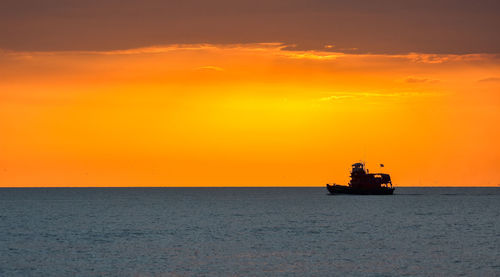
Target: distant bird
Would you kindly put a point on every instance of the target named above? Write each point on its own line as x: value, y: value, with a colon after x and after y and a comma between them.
x: 381, y: 165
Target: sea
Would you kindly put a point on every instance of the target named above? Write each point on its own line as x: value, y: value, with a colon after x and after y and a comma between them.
x: 248, y: 232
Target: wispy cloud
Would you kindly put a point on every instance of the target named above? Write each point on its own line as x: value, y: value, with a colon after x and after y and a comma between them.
x: 353, y: 95
x: 276, y: 48
x: 312, y: 55
x: 428, y: 58
x: 444, y: 58
x: 416, y: 80
x: 210, y: 68
x: 157, y: 49
x: 335, y: 97
x: 490, y: 80
x: 329, y: 52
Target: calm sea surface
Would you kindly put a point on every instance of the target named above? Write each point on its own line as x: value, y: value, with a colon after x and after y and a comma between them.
x: 248, y: 232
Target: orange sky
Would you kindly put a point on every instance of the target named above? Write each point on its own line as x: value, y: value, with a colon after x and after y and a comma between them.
x: 246, y: 115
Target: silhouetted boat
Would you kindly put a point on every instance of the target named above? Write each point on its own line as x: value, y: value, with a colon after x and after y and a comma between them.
x: 363, y: 182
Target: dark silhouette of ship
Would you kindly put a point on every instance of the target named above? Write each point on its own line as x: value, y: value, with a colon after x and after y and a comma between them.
x: 363, y: 182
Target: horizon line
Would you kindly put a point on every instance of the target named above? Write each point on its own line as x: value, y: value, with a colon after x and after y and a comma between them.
x: 245, y: 186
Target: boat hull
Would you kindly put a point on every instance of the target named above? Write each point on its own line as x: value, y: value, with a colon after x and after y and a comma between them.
x: 338, y: 189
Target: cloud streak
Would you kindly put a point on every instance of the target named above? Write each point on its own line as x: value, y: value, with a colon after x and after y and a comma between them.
x: 490, y: 80
x: 416, y: 80
x: 210, y: 68
x: 353, y: 95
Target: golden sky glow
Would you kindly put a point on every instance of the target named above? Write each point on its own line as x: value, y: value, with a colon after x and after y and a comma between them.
x: 246, y: 115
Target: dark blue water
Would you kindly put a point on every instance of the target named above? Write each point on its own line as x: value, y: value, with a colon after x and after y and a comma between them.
x: 248, y: 232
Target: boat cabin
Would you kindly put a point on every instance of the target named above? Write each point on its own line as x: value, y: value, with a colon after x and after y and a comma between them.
x: 358, y: 168
x: 361, y: 178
